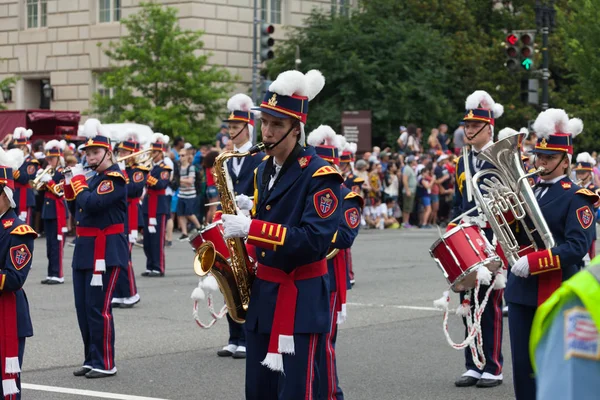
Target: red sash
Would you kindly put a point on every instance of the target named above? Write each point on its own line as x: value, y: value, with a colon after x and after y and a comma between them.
x: 153, y: 204
x: 339, y: 266
x: 61, y: 214
x: 9, y: 344
x: 100, y: 247
x: 22, y: 188
x: 132, y: 213
x: 282, y: 331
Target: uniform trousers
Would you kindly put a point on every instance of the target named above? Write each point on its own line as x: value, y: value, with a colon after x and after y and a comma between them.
x: 54, y: 248
x: 299, y: 381
x: 95, y: 318
x: 491, y: 332
x: 520, y: 319
x: 154, y: 245
x: 126, y: 286
x: 237, y: 332
x: 21, y: 353
x: 326, y: 359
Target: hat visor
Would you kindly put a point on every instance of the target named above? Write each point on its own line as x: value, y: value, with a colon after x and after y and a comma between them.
x: 272, y: 112
x: 542, y: 151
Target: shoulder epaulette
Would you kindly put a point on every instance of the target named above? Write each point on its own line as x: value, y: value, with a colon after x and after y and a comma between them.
x: 34, y: 160
x: 327, y: 170
x: 23, y: 230
x: 353, y: 195
x: 165, y: 166
x: 116, y: 174
x: 142, y: 167
x: 589, y: 193
x: 265, y: 158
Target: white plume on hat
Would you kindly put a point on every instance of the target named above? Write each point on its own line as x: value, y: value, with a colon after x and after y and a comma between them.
x: 131, y: 135
x: 55, y: 144
x: 525, y: 131
x: 12, y: 158
x: 325, y: 135
x: 22, y: 133
x: 586, y: 158
x: 351, y: 147
x: 92, y: 128
x: 160, y: 138
x: 556, y: 120
x: 506, y: 132
x: 482, y: 99
x: 240, y: 102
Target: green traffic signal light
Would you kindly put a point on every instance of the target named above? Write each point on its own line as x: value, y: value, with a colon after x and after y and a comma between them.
x: 527, y: 63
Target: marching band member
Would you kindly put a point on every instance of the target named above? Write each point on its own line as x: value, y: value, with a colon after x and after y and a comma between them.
x: 568, y: 211
x: 347, y: 166
x: 16, y: 253
x: 480, y: 115
x: 54, y: 211
x: 327, y: 146
x: 296, y: 209
x: 585, y: 178
x: 24, y: 196
x: 100, y: 208
x: 126, y: 294
x: 241, y: 171
x: 156, y: 208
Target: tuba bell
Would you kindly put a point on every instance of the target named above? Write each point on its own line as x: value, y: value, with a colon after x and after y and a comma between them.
x: 519, y: 200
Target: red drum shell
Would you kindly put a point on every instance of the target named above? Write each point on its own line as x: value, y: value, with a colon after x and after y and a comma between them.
x: 460, y: 252
x: 214, y: 233
x: 196, y: 240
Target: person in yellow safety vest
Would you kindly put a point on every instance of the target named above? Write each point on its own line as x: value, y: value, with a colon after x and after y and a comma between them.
x: 564, y: 344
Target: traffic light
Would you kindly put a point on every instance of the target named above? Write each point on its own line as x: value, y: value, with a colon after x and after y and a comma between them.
x: 527, y: 40
x: 512, y: 52
x: 266, y: 42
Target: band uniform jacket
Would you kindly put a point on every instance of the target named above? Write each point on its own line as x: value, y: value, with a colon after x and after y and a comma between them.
x: 54, y: 192
x: 304, y: 211
x: 103, y: 203
x: 16, y: 254
x: 26, y: 172
x: 158, y: 179
x: 244, y: 182
x: 569, y: 212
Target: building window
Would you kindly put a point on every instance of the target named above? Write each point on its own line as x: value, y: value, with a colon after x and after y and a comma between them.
x: 271, y: 11
x: 109, y: 10
x: 341, y: 7
x: 37, y: 13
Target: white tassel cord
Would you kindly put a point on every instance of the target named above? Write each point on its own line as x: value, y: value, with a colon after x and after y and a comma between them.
x: 474, y: 338
x: 200, y: 294
x: 273, y: 361
x: 96, y: 280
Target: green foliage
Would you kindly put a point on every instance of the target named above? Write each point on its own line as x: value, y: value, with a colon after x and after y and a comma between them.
x: 160, y: 77
x: 7, y: 83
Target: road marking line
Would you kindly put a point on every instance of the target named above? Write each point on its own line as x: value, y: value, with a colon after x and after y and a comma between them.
x: 393, y: 306
x: 91, y: 393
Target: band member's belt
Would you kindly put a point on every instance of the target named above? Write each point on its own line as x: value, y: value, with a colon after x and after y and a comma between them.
x: 153, y: 204
x: 99, y: 247
x: 22, y: 188
x: 282, y: 331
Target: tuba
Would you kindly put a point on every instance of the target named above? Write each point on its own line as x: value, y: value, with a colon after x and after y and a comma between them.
x: 520, y: 200
x: 233, y: 274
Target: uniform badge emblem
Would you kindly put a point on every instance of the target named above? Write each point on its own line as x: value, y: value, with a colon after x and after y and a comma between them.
x: 325, y: 203
x: 90, y: 142
x: 20, y: 256
x: 581, y: 335
x: 303, y: 161
x: 31, y: 169
x: 7, y: 223
x: 585, y: 217
x: 543, y: 143
x: 105, y: 187
x: 138, y: 176
x: 566, y: 185
x: 470, y: 115
x: 273, y: 100
x: 352, y: 217
x: 165, y: 175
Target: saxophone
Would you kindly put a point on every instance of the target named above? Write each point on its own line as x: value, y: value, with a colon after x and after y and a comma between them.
x: 233, y: 275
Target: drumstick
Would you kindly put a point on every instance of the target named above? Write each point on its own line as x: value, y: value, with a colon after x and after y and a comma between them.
x: 216, y: 203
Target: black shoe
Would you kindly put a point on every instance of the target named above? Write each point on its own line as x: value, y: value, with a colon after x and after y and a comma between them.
x: 239, y: 354
x: 45, y: 281
x: 97, y: 374
x: 146, y: 273
x: 488, y: 383
x: 53, y: 282
x: 224, y: 353
x: 169, y: 243
x: 156, y: 274
x: 117, y: 305
x: 81, y: 371
x: 183, y: 238
x: 466, y: 381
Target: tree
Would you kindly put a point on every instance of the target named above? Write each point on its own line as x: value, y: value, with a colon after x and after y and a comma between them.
x: 7, y: 83
x: 159, y: 77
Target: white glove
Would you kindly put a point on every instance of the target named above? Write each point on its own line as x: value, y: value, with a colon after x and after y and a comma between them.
x: 521, y: 268
x: 122, y: 165
x: 235, y: 226
x: 244, y: 202
x: 77, y: 170
x: 494, y: 187
x: 46, y: 178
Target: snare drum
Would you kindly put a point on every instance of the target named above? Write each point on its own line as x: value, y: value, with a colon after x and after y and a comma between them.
x: 460, y: 253
x: 212, y: 233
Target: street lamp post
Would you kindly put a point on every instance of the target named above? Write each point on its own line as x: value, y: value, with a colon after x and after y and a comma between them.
x: 7, y: 94
x: 544, y: 19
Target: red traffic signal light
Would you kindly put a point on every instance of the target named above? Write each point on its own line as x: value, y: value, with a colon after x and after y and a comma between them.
x: 526, y: 52
x: 512, y: 39
x: 527, y: 39
x: 267, y: 29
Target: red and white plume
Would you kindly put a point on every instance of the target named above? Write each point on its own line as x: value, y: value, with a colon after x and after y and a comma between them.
x: 325, y: 135
x: 240, y: 102
x: 556, y: 120
x: 55, y: 144
x: 482, y: 99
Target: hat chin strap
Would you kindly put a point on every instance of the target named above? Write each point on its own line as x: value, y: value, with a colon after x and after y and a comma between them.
x: 479, y: 131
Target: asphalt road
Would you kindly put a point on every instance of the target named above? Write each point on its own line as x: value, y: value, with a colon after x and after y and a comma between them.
x: 392, y: 346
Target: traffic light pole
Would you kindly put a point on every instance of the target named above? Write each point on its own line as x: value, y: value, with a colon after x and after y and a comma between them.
x: 254, y: 52
x: 545, y: 67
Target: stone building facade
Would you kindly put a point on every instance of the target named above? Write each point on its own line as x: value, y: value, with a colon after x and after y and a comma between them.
x: 55, y: 41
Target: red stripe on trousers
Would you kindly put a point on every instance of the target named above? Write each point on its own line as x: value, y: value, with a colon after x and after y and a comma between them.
x: 330, y: 351
x: 108, y: 317
x: 130, y: 273
x: 310, y: 368
x: 498, y: 318
x: 61, y: 250
x: 161, y: 253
